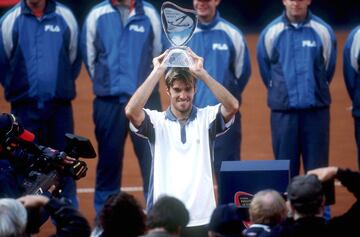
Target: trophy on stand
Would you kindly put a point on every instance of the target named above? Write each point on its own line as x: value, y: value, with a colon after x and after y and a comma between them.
x: 179, y: 25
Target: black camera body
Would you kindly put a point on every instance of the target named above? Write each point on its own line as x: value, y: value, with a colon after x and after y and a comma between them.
x: 329, y: 192
x: 43, y: 166
x: 49, y: 167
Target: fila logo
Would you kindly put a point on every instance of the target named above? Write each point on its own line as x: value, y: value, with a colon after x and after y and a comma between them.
x: 217, y: 46
x: 52, y: 28
x: 308, y: 43
x: 137, y: 28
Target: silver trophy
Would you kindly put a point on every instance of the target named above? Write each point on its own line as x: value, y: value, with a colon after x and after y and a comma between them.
x: 179, y: 25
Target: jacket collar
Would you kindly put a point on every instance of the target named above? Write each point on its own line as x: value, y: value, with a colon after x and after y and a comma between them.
x: 212, y: 23
x: 137, y: 9
x: 170, y: 116
x: 49, y: 7
x: 302, y: 23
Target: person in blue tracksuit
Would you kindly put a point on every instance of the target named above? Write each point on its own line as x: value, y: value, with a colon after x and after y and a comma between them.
x: 296, y: 54
x: 39, y: 62
x: 351, y: 63
x: 118, y: 42
x: 226, y: 58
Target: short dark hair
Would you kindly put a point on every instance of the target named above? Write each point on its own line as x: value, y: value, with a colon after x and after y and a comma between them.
x: 179, y: 73
x: 226, y: 220
x: 305, y: 194
x: 169, y: 213
x: 122, y: 215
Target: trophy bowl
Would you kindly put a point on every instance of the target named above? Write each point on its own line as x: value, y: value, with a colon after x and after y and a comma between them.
x: 179, y: 25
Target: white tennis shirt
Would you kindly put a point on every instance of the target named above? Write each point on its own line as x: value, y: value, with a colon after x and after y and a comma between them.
x: 182, y: 158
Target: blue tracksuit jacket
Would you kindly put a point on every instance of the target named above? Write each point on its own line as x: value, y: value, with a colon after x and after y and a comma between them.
x: 351, y: 62
x: 297, y: 63
x: 117, y: 69
x: 39, y: 58
x: 226, y: 55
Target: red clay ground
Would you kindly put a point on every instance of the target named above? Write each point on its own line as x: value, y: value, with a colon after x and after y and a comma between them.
x: 256, y: 143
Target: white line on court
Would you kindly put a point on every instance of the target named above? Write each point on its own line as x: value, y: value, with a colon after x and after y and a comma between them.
x: 124, y: 189
x: 134, y: 189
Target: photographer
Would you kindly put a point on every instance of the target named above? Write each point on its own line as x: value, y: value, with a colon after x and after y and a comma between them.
x: 19, y: 156
x: 10, y: 177
x: 28, y: 168
x: 15, y: 220
x: 306, y: 199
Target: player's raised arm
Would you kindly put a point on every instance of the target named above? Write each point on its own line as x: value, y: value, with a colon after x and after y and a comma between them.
x: 134, y: 109
x: 229, y: 104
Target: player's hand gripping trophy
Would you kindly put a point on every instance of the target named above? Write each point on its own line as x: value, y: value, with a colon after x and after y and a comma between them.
x: 179, y: 25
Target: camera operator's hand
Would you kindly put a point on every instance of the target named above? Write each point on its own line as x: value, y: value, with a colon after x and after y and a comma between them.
x: 68, y: 220
x: 33, y: 201
x: 57, y: 157
x: 68, y: 160
x: 325, y: 174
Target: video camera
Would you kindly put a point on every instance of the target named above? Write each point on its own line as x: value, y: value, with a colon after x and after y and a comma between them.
x: 41, y: 166
x: 49, y: 164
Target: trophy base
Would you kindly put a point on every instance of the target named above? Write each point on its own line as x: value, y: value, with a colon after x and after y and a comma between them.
x: 178, y: 57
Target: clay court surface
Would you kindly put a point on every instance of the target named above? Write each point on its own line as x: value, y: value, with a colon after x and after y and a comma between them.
x: 256, y: 144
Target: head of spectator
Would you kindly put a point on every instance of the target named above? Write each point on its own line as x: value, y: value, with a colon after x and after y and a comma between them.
x: 206, y: 9
x: 305, y: 194
x: 226, y: 221
x: 296, y: 10
x: 267, y: 207
x: 122, y: 215
x: 13, y: 218
x: 37, y: 6
x: 168, y: 214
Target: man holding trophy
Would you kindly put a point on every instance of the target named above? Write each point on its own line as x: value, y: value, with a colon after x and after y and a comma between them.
x: 182, y: 137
